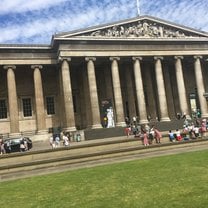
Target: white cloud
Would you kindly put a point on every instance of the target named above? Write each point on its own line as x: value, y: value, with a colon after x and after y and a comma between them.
x: 76, y: 19
x: 16, y: 6
x: 36, y: 21
x: 192, y: 13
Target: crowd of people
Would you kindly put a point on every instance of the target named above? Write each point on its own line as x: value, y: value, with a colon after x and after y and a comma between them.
x: 192, y: 129
x: 65, y: 138
x: 147, y: 134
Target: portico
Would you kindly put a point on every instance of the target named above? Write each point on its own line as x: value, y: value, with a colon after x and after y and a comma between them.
x: 142, y: 67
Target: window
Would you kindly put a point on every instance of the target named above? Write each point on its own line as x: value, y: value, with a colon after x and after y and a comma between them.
x: 3, y: 109
x: 27, y: 107
x: 74, y: 103
x: 50, y: 105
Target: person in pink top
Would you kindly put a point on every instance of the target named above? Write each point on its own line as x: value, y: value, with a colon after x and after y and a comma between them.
x: 203, y: 128
x: 158, y: 135
x: 145, y: 139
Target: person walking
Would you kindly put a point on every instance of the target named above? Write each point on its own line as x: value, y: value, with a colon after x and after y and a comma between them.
x: 65, y: 140
x: 57, y: 141
x: 51, y: 141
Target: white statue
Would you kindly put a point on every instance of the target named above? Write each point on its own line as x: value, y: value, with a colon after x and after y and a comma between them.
x: 110, y: 118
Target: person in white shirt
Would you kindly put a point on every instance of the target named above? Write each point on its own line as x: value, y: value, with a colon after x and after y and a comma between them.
x: 65, y: 140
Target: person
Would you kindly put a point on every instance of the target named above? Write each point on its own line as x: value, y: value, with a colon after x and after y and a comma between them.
x: 65, y: 140
x: 184, y: 115
x: 134, y: 120
x: 203, y: 128
x: 2, y: 148
x: 25, y: 144
x: 198, y: 113
x: 51, y: 141
x: 105, y: 121
x: 22, y: 146
x: 145, y: 139
x: 57, y: 141
x: 158, y: 135
x: 127, y: 121
x: 196, y: 131
x: 178, y: 135
x: 7, y: 146
x: 128, y: 131
x: 147, y: 128
x: 171, y: 136
x: 178, y: 116
x: 151, y: 135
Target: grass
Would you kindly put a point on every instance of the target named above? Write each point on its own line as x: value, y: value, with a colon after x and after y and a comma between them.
x: 177, y: 181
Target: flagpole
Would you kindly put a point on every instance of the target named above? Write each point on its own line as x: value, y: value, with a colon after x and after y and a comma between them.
x: 138, y: 8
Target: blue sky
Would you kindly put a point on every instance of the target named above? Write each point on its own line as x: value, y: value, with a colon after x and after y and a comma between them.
x: 35, y: 21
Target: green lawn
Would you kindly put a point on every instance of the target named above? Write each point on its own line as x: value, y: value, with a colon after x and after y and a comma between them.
x: 164, y: 182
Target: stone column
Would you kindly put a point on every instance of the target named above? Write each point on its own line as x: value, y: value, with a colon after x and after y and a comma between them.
x: 130, y: 92
x: 69, y: 121
x: 200, y: 86
x: 140, y: 91
x: 117, y: 92
x: 13, y: 101
x: 96, y: 123
x: 39, y: 100
x: 161, y: 90
x: 181, y: 86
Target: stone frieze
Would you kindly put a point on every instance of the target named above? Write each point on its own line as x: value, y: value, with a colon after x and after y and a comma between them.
x: 142, y: 29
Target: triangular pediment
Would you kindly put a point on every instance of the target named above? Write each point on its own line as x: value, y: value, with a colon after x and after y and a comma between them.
x: 144, y: 27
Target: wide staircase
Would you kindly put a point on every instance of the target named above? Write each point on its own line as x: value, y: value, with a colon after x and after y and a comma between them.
x: 119, y: 131
x: 87, y: 154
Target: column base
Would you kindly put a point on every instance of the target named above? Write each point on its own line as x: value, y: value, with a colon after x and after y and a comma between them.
x: 205, y: 115
x: 42, y: 132
x: 73, y: 128
x: 188, y: 117
x: 165, y: 119
x: 122, y: 124
x: 15, y: 135
x: 143, y: 121
x: 96, y: 126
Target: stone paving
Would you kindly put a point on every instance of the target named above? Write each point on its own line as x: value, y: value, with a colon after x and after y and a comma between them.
x: 41, y: 145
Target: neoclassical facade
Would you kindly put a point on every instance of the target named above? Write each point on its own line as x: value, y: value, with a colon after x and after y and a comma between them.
x: 144, y: 67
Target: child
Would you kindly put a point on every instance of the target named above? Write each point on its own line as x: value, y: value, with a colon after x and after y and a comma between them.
x: 171, y: 136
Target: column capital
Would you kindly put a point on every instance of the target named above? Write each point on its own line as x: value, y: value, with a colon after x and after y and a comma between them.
x: 178, y: 57
x: 9, y: 67
x: 198, y: 57
x: 114, y: 58
x: 36, y: 66
x: 158, y: 58
x: 137, y: 58
x: 90, y: 59
x: 62, y: 58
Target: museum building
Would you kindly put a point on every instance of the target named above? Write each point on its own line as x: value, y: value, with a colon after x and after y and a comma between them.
x: 144, y: 66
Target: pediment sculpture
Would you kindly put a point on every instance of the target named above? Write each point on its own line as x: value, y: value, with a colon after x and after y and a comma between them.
x: 144, y: 29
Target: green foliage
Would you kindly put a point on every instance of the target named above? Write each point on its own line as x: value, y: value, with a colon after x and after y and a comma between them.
x: 177, y: 181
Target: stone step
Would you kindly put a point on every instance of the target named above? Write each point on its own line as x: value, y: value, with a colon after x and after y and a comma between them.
x: 44, y: 163
x: 91, y: 134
